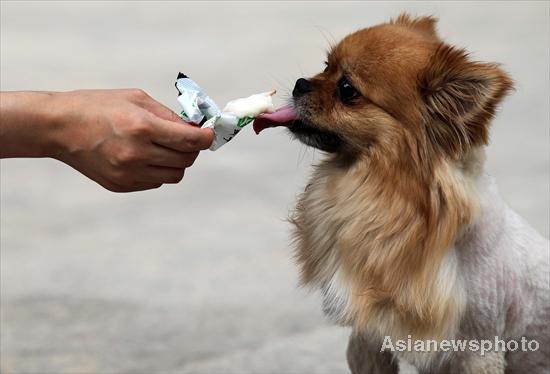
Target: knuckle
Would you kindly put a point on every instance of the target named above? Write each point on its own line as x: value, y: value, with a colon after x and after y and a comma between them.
x: 138, y: 93
x: 109, y: 186
x: 140, y: 128
x: 174, y: 117
x: 128, y: 156
x: 190, y: 159
x: 113, y: 187
x: 144, y: 186
x: 119, y: 176
x: 196, y: 140
x: 116, y: 162
x: 177, y: 176
x: 120, y: 189
x: 191, y: 142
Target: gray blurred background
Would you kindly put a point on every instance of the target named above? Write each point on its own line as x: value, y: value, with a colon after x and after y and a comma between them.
x: 198, y: 277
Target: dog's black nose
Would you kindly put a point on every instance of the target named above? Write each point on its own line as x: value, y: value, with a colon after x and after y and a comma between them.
x: 301, y: 87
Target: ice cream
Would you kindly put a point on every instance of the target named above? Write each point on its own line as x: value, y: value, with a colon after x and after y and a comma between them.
x: 251, y: 106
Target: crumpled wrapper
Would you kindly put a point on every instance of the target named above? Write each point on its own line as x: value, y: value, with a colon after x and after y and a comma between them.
x: 199, y: 108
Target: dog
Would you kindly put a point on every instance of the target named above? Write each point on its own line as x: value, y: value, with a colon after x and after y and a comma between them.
x: 400, y: 227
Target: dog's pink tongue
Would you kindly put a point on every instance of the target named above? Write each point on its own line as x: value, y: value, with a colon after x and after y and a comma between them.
x: 281, y: 117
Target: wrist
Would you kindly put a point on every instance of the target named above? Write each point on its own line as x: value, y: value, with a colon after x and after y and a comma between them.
x: 30, y: 124
x: 57, y: 116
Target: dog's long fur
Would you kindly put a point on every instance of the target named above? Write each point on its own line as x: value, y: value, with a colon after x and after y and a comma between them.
x: 388, y: 226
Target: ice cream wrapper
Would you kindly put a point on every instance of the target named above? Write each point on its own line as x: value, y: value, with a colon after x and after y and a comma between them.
x: 196, y: 104
x: 199, y: 108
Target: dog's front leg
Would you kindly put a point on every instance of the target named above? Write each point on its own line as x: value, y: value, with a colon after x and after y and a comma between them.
x: 366, y: 358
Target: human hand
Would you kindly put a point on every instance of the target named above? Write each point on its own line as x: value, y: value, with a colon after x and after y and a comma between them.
x: 125, y: 140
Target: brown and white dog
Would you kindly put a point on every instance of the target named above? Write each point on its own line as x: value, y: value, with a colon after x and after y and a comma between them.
x: 400, y: 226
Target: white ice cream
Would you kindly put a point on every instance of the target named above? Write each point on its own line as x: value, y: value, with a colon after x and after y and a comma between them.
x: 251, y: 106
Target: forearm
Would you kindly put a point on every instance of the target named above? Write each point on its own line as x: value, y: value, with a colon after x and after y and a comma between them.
x: 29, y: 124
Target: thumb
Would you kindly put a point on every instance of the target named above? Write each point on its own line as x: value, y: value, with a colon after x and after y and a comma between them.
x: 210, y: 135
x: 167, y: 114
x: 180, y: 137
x: 162, y: 111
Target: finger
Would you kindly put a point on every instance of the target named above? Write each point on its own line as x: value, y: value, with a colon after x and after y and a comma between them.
x: 181, y: 137
x: 162, y: 111
x: 162, y: 156
x: 141, y: 187
x: 115, y: 186
x: 159, y: 174
x: 137, y: 186
x: 145, y: 101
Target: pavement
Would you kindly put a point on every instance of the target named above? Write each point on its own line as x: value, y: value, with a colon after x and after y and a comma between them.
x: 198, y: 277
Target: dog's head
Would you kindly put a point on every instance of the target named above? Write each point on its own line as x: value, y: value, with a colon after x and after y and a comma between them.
x: 393, y: 85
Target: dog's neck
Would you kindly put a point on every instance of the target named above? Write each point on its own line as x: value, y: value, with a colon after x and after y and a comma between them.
x: 380, y: 243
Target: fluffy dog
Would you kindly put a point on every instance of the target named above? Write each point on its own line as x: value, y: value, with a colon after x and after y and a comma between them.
x: 400, y: 226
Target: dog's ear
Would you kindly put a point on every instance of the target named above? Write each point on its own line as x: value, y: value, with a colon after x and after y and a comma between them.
x: 425, y: 25
x: 460, y: 98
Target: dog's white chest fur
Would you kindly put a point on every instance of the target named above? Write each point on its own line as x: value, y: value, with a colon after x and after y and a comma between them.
x: 336, y: 298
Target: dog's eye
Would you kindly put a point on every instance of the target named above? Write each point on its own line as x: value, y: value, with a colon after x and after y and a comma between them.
x: 346, y: 92
x: 326, y: 67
